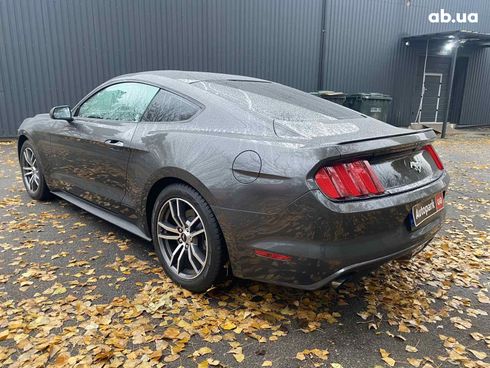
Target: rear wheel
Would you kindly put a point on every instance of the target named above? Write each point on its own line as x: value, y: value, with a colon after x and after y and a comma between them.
x: 187, y: 238
x: 32, y: 173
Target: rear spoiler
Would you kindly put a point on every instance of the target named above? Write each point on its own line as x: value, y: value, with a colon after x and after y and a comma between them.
x: 386, y: 144
x: 426, y: 130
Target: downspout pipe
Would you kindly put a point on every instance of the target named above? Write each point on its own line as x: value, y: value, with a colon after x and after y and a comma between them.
x: 422, y: 93
x: 321, y: 60
x: 450, y: 92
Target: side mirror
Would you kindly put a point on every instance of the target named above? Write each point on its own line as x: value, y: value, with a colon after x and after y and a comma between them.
x: 61, y: 113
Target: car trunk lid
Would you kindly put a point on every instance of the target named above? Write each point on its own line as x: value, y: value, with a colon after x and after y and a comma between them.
x: 400, y: 162
x: 405, y: 170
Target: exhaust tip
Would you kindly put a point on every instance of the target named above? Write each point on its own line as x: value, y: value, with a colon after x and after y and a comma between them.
x: 340, y: 281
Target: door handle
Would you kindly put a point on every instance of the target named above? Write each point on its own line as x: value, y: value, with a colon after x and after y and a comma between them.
x: 114, y: 142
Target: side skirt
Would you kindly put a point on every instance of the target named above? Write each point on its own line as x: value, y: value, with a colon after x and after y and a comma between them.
x: 103, y: 214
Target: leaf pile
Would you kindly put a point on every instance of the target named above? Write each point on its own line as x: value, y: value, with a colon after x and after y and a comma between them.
x: 78, y: 292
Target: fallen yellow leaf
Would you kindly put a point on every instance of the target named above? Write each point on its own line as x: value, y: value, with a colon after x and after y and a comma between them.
x: 403, y: 328
x: 59, y: 290
x: 414, y: 362
x: 239, y: 357
x: 229, y: 325
x: 203, y: 364
x: 171, y: 333
x: 171, y: 358
x: 386, y: 357
x: 202, y: 351
x: 411, y: 349
x: 390, y: 361
x: 479, y: 354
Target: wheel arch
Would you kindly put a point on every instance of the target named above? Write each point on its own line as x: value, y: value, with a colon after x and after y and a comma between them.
x: 196, y: 185
x: 20, y: 142
x: 175, y: 176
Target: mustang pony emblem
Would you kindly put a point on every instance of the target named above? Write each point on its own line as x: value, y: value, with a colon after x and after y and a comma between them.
x: 417, y: 166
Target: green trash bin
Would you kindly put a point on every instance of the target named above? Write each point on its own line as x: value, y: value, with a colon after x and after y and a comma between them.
x: 337, y: 97
x: 375, y: 105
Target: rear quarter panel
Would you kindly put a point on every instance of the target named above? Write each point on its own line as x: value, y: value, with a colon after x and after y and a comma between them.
x: 202, y: 152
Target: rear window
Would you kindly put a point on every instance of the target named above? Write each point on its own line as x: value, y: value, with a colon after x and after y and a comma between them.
x: 277, y: 101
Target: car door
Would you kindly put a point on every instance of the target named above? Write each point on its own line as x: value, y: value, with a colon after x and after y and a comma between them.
x: 152, y: 149
x: 90, y: 154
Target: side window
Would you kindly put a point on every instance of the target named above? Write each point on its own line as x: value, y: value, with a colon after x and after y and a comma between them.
x: 167, y: 106
x: 122, y: 101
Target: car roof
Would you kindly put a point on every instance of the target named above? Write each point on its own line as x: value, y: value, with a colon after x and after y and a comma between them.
x: 260, y: 98
x: 190, y: 77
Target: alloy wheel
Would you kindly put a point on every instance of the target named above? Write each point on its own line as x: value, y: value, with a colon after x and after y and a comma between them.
x: 182, y: 238
x: 30, y: 170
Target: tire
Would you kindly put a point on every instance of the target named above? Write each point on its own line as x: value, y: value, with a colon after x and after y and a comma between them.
x: 190, y: 245
x: 33, y: 173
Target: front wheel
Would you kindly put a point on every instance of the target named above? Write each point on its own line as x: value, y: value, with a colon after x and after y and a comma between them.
x: 32, y: 173
x: 187, y: 238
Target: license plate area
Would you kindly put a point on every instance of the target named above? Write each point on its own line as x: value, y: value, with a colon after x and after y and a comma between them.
x: 424, y: 210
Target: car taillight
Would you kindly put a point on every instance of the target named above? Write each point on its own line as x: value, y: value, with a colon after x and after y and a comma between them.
x: 434, y: 156
x: 353, y: 179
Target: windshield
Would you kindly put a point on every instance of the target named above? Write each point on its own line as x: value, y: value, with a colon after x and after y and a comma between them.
x: 277, y: 101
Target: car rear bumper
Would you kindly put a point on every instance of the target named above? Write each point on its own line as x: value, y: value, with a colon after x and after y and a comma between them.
x: 326, y: 240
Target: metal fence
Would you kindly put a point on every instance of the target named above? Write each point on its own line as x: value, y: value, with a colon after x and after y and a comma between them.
x: 54, y: 51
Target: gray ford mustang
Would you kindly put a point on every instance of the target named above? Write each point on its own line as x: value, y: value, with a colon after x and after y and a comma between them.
x: 231, y: 173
